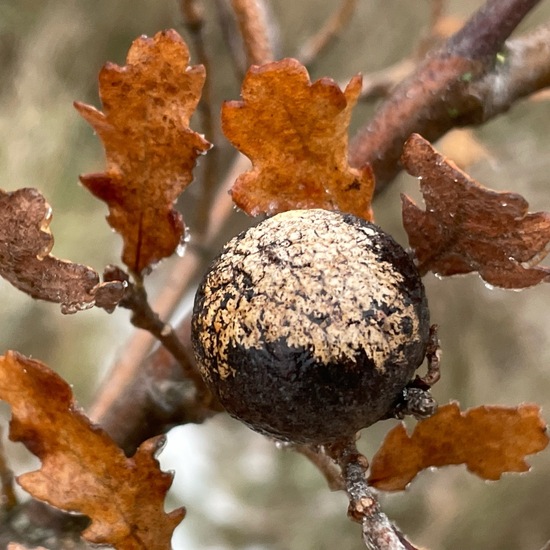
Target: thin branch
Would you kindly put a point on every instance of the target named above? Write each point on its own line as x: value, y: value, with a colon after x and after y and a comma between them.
x: 8, y: 498
x: 485, y: 32
x: 378, y: 531
x: 156, y: 399
x: 344, y: 469
x: 438, y: 97
x: 523, y: 69
x: 326, y: 465
x: 231, y: 37
x: 328, y: 32
x: 254, y: 28
x: 145, y: 318
x: 145, y: 396
x: 379, y: 84
x: 193, y: 15
x: 34, y: 524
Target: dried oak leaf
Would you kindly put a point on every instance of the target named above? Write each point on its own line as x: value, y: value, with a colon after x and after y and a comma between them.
x: 25, y: 260
x: 295, y: 134
x: 489, y: 440
x: 149, y: 148
x: 467, y: 227
x: 83, y: 470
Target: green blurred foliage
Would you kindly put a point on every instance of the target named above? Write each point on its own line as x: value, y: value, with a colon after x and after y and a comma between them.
x: 240, y: 490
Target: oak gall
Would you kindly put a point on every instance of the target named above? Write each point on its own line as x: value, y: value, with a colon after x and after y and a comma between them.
x: 309, y: 326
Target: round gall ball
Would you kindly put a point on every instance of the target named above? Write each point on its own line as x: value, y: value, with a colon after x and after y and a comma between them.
x: 309, y: 326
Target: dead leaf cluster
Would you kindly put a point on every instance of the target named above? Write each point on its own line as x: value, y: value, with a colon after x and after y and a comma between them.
x: 82, y: 469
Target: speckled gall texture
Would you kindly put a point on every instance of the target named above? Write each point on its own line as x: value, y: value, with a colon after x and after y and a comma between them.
x: 308, y: 326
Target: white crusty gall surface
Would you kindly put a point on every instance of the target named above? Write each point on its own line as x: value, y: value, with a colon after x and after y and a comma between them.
x: 321, y: 285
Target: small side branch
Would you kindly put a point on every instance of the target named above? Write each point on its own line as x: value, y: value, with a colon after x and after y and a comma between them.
x: 193, y: 15
x: 325, y: 464
x: 253, y: 24
x: 523, y: 68
x: 145, y: 318
x: 328, y: 32
x: 453, y: 86
x: 485, y: 32
x: 8, y: 498
x: 158, y: 397
x: 146, y: 392
x: 131, y: 411
x: 378, y: 531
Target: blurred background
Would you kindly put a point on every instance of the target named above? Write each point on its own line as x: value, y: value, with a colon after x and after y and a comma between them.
x: 241, y: 492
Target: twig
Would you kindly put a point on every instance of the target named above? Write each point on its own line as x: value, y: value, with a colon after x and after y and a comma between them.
x: 328, y: 32
x: 344, y: 469
x: 185, y: 270
x: 8, y: 498
x: 193, y: 15
x: 231, y: 37
x: 157, y: 398
x: 437, y: 97
x: 379, y: 84
x: 145, y: 318
x: 523, y: 68
x: 142, y: 398
x: 485, y: 32
x: 253, y: 25
x: 378, y: 531
x: 326, y: 465
x: 433, y: 356
x: 33, y: 523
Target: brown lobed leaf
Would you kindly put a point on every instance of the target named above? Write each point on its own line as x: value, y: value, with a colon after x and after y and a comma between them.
x: 489, y: 440
x: 83, y: 470
x: 149, y: 148
x: 467, y: 227
x: 295, y: 134
x: 25, y: 260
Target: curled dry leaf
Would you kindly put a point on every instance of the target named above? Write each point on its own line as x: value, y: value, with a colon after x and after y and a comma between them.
x: 25, y: 260
x: 83, y: 470
x: 295, y: 133
x: 467, y: 227
x: 489, y: 440
x: 149, y: 147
